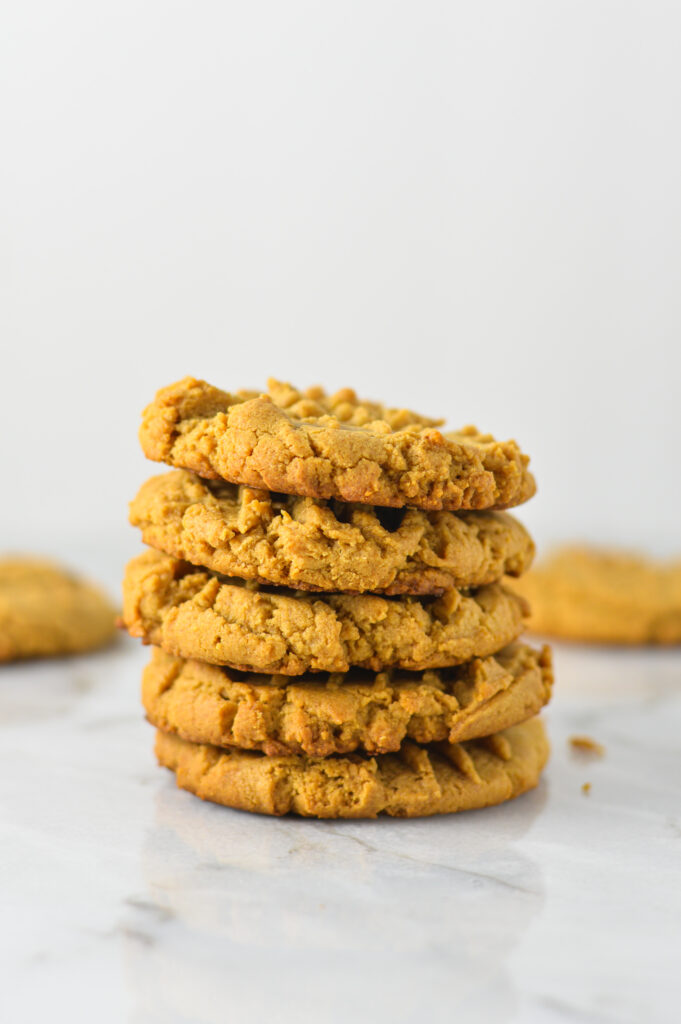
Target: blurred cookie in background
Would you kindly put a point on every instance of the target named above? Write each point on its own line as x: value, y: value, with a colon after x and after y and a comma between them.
x: 604, y: 595
x: 47, y: 610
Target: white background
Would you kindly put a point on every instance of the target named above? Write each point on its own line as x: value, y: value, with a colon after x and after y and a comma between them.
x: 472, y: 209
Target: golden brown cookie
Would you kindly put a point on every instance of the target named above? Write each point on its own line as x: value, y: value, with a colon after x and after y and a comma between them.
x: 45, y: 610
x: 605, y: 596
x: 339, y: 714
x: 335, y: 446
x: 196, y: 614
x: 416, y: 781
x: 310, y: 544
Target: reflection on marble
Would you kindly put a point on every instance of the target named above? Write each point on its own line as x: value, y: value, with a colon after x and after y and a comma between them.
x: 312, y: 903
x: 123, y: 893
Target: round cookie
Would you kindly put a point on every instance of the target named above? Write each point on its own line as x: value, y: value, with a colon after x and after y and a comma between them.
x: 335, y: 446
x: 311, y: 544
x: 414, y: 782
x: 196, y: 614
x: 605, y: 596
x: 339, y: 714
x: 46, y: 610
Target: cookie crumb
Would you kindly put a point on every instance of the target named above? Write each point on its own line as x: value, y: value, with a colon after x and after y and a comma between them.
x: 586, y: 745
x: 586, y: 788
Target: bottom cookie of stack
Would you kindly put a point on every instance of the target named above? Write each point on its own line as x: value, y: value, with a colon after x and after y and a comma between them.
x: 439, y: 778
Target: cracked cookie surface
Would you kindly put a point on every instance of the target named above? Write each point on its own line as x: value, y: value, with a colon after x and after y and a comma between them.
x: 605, y: 596
x: 196, y: 614
x: 46, y: 610
x: 337, y: 446
x: 339, y: 714
x: 417, y: 781
x: 310, y: 544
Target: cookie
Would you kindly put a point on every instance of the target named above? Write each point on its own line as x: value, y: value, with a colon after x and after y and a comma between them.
x: 46, y: 610
x: 416, y: 781
x: 196, y: 614
x: 310, y: 544
x: 338, y: 446
x: 339, y: 714
x: 605, y: 596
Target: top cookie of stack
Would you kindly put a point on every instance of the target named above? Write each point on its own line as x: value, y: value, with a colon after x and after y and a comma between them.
x: 338, y: 446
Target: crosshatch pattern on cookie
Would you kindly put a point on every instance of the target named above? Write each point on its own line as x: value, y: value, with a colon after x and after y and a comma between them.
x: 416, y: 781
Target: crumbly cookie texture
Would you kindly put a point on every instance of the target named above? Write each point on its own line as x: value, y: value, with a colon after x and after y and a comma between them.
x: 605, y: 596
x: 196, y: 614
x: 337, y: 446
x: 45, y: 610
x: 311, y: 544
x: 339, y: 714
x: 416, y: 781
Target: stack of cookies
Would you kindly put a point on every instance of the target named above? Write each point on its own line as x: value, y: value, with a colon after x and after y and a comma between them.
x: 323, y: 592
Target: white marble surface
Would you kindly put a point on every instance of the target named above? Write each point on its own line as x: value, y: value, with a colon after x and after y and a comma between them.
x: 126, y: 900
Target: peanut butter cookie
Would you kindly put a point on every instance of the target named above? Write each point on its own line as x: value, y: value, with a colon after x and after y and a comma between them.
x: 339, y: 714
x: 416, y: 781
x: 337, y: 446
x: 196, y: 614
x: 46, y: 610
x: 605, y: 596
x: 310, y: 544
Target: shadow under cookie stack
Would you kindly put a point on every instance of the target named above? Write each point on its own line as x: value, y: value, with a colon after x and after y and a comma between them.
x: 322, y: 589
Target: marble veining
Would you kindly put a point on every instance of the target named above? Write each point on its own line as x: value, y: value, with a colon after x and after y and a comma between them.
x: 126, y: 900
